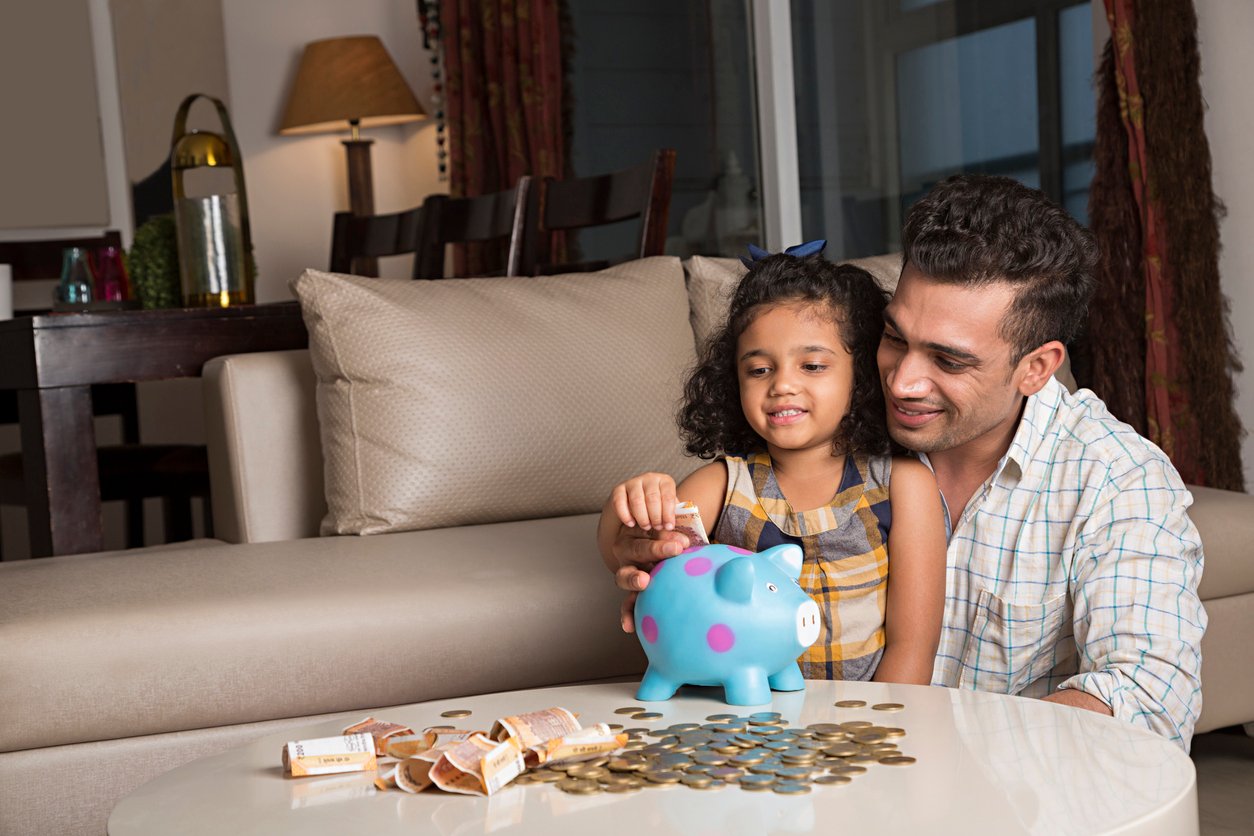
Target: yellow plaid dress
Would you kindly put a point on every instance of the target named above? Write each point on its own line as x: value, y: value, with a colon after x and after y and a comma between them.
x: 846, y: 554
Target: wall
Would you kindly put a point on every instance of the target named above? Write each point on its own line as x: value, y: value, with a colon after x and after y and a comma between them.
x: 296, y: 184
x: 1224, y: 29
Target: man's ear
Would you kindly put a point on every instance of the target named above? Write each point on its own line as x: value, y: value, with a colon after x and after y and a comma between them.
x: 1038, y: 366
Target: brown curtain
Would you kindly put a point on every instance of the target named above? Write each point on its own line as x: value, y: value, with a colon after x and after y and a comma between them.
x: 1162, y: 355
x: 503, y: 70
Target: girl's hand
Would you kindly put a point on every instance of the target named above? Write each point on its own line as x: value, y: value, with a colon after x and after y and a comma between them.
x: 647, y: 501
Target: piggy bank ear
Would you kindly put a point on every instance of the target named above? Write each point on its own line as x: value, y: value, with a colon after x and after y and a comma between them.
x: 734, y: 580
x: 787, y: 557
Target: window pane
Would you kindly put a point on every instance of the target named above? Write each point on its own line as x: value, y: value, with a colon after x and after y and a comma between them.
x: 890, y: 103
x: 969, y: 104
x: 1079, y: 111
x: 648, y: 74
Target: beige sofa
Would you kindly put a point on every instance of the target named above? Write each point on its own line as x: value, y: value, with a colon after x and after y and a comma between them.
x: 116, y: 667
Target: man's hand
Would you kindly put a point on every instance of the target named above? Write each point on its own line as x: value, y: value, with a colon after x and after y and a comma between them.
x: 636, y: 553
x: 1079, y: 699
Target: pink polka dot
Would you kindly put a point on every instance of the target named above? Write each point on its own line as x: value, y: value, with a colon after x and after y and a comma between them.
x: 698, y: 566
x: 720, y: 638
x: 692, y: 549
x: 739, y: 550
x: 648, y: 627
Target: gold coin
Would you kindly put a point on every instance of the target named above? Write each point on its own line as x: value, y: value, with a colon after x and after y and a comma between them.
x: 525, y: 779
x: 756, y: 782
x: 624, y: 787
x: 726, y: 773
x: 713, y: 785
x: 696, y: 781
x: 719, y: 718
x: 630, y: 709
x: 624, y: 765
x: 863, y: 758
x: 456, y: 712
x: 647, y: 715
x: 794, y: 773
x: 847, y: 770
x: 749, y: 758
x: 892, y: 732
x: 663, y: 776
x: 770, y: 716
x: 897, y: 760
x: 850, y: 703
x: 833, y: 779
x: 590, y: 772
x: 615, y: 726
x: 857, y: 725
x: 888, y: 706
x: 546, y: 776
x: 578, y: 786
x: 869, y: 737
x: 842, y: 750
x: 825, y: 728
x: 790, y: 788
x: 438, y: 728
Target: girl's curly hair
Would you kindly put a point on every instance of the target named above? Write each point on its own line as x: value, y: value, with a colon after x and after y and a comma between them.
x: 711, y: 420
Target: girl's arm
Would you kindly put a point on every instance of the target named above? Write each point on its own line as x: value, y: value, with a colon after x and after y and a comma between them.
x: 916, y: 575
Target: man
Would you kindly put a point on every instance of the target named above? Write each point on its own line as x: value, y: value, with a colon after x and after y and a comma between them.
x: 1072, y: 565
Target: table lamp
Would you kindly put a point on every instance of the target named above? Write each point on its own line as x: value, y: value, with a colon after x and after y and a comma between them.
x: 350, y: 82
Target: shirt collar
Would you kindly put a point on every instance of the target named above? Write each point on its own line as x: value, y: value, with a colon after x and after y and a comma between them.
x: 1038, y: 414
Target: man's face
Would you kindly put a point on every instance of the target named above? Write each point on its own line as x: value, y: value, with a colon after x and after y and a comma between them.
x: 946, y: 370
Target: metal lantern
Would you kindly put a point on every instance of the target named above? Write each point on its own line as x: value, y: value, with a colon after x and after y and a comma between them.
x: 215, y: 245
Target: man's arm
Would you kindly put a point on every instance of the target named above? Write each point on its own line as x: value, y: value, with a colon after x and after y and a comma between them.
x: 1138, y: 620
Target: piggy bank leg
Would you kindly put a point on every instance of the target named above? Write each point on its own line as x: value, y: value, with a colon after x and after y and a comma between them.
x: 654, y: 686
x: 788, y: 679
x: 747, y: 686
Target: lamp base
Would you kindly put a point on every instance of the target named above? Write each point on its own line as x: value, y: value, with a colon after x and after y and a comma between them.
x: 361, y: 193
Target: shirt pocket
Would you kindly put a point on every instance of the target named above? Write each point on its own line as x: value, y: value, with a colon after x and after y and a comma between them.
x: 1011, y: 645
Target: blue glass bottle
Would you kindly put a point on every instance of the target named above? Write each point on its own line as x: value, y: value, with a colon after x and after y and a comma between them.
x: 76, y: 277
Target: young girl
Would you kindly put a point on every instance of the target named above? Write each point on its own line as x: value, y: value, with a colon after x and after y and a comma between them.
x: 787, y: 398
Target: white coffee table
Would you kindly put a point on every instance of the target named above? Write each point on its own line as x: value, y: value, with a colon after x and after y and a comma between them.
x: 987, y: 764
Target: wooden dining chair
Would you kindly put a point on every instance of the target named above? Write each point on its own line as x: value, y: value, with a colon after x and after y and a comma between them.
x: 497, y: 216
x: 358, y: 241
x: 643, y: 191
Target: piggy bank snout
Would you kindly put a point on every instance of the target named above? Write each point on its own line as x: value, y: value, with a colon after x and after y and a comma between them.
x: 808, y: 623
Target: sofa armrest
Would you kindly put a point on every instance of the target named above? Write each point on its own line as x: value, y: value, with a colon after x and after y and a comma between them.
x: 1225, y: 521
x: 265, y: 454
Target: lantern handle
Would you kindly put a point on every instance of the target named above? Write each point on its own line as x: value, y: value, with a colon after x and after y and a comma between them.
x: 180, y: 130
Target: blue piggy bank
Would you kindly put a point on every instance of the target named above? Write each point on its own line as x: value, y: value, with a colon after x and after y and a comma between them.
x: 718, y: 615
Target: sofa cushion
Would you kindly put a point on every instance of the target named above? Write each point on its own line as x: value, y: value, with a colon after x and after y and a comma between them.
x: 1225, y: 522
x: 468, y: 401
x: 121, y: 644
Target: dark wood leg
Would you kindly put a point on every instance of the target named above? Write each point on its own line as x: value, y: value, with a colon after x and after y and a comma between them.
x: 62, y: 482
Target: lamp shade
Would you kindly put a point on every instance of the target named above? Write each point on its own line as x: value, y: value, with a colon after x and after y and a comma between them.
x: 345, y: 79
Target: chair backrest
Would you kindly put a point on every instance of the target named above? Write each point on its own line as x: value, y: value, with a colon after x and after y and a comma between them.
x: 643, y: 191
x: 357, y: 240
x: 454, y: 220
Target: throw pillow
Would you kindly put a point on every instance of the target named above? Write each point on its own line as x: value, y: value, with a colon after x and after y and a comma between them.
x: 465, y: 401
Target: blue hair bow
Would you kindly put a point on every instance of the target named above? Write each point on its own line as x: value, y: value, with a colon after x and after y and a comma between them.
x: 797, y: 250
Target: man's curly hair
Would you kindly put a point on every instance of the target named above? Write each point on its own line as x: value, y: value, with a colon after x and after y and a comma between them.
x: 711, y: 420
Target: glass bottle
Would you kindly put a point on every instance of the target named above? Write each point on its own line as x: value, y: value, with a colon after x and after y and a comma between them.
x: 76, y: 277
x: 112, y: 283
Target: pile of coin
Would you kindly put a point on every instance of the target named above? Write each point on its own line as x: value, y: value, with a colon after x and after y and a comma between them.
x: 759, y: 752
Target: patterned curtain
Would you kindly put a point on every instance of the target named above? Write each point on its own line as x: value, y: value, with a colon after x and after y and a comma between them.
x: 1157, y: 221
x: 503, y: 70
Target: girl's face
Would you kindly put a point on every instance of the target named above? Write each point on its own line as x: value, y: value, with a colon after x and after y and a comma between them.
x: 795, y: 376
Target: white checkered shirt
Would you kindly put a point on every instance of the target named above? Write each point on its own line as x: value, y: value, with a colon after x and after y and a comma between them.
x: 1076, y: 566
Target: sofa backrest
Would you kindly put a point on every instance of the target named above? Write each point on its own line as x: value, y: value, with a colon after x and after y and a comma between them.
x: 266, y: 465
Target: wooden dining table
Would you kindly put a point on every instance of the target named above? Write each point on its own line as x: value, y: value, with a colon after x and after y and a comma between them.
x: 52, y: 361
